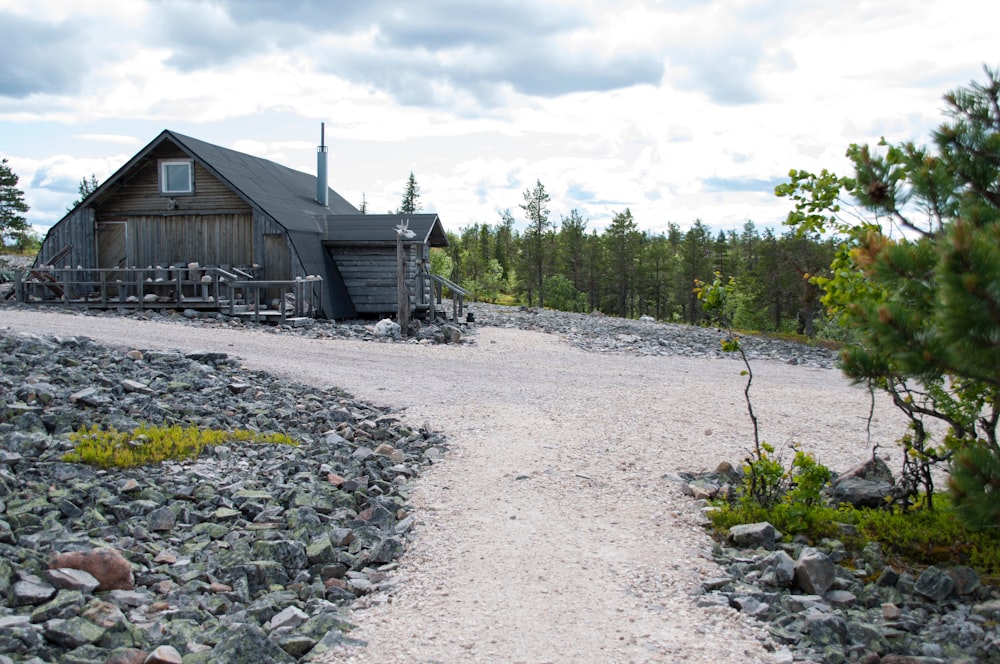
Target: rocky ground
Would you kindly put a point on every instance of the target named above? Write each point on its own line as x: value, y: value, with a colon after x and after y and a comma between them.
x: 249, y: 554
x: 254, y: 552
x: 830, y: 604
x: 607, y: 334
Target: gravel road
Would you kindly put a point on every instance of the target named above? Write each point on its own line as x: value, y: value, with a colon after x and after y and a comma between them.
x: 550, y: 532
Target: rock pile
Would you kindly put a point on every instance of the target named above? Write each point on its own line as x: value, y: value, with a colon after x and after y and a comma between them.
x: 247, y: 554
x: 595, y: 333
x: 421, y: 332
x: 826, y: 603
x: 606, y: 334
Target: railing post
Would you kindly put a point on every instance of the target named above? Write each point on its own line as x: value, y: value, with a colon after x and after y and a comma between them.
x: 18, y: 286
x: 139, y: 290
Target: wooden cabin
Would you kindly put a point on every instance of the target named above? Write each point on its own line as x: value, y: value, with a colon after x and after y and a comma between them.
x: 181, y: 202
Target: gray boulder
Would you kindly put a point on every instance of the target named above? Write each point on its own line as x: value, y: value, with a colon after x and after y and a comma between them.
x: 814, y: 571
x: 67, y: 578
x: 865, y: 485
x: 778, y: 570
x: 30, y: 590
x: 860, y: 492
x: 754, y: 535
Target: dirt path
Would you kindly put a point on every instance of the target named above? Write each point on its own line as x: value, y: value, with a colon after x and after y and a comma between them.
x: 549, y: 533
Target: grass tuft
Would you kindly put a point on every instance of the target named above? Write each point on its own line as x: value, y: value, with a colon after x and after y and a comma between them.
x: 150, y: 444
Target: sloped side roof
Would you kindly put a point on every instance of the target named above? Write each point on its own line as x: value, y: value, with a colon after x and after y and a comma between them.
x: 336, y: 300
x: 381, y: 228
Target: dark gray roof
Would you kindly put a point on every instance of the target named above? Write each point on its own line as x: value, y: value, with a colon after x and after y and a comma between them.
x: 381, y: 228
x: 287, y: 195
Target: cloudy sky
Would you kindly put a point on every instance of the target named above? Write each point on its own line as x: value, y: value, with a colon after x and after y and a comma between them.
x: 676, y: 109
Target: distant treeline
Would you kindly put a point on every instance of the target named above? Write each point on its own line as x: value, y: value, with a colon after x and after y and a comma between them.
x: 623, y: 271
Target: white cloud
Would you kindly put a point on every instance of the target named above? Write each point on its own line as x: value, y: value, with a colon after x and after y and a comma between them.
x: 677, y: 110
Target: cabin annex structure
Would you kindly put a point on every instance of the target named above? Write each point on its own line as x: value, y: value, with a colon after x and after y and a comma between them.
x: 182, y: 212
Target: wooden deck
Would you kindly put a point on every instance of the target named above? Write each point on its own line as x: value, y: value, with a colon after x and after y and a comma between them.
x: 231, y: 291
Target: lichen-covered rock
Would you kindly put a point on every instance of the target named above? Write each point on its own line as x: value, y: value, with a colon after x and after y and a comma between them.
x: 72, y: 632
x: 935, y: 584
x: 248, y: 644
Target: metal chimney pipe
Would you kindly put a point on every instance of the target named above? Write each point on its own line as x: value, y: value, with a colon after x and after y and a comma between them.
x: 322, y: 188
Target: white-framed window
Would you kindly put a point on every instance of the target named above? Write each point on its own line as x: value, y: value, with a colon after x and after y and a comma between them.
x: 176, y: 176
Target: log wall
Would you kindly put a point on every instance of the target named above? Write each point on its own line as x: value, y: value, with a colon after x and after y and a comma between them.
x: 369, y: 273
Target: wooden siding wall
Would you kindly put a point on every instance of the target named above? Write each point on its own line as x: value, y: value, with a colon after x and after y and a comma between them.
x: 76, y: 230
x: 370, y: 275
x: 264, y: 225
x: 140, y: 192
x: 209, y: 239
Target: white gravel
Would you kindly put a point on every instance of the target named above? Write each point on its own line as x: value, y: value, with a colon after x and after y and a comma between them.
x: 549, y: 533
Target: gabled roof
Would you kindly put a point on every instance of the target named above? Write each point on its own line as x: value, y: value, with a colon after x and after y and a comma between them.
x: 381, y: 229
x: 286, y: 195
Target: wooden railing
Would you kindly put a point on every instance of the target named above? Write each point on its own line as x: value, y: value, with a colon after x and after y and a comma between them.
x: 122, y: 287
x: 216, y: 288
x: 432, y: 296
x: 305, y: 301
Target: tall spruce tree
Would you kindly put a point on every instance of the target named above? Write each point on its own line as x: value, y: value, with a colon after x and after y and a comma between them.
x: 411, y: 197
x: 13, y: 223
x: 623, y: 239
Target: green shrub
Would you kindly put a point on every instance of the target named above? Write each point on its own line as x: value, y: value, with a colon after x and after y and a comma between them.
x: 153, y: 444
x: 911, y: 538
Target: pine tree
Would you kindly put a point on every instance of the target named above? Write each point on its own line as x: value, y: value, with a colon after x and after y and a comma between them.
x: 622, y: 237
x: 536, y: 252
x: 86, y: 187
x: 13, y: 223
x: 925, y: 304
